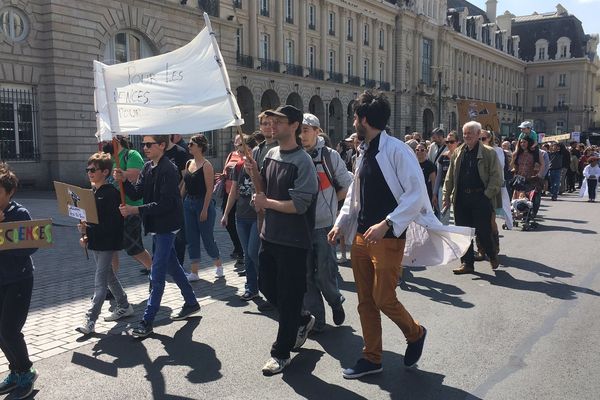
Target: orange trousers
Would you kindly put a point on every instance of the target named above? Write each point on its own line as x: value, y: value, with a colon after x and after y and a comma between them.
x: 376, y: 269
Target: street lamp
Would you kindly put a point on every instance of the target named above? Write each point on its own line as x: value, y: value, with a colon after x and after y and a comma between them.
x: 567, y: 105
x: 517, y: 91
x: 439, y: 69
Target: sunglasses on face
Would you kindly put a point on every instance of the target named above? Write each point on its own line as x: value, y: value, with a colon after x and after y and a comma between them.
x: 92, y: 169
x: 450, y: 141
x: 148, y: 144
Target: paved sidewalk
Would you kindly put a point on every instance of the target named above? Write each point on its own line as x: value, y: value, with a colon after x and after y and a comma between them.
x: 64, y: 283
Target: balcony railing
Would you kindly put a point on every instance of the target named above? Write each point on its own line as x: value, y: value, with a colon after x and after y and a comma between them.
x: 561, y: 107
x: 293, y: 69
x: 336, y: 77
x: 245, y: 61
x: 312, y: 27
x: 354, y: 80
x: 370, y: 83
x: 316, y: 73
x: 539, y: 109
x: 264, y: 12
x: 237, y: 3
x: 269, y: 65
x: 366, y: 42
x: 384, y: 86
x: 289, y: 20
x: 332, y: 32
x: 349, y: 38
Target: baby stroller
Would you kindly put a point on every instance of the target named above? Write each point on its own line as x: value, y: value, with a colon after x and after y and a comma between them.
x: 524, y: 209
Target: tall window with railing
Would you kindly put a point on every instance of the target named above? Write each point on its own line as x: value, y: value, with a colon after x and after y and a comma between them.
x: 264, y: 47
x: 289, y: 11
x: 311, y: 57
x: 350, y: 29
x: 366, y: 68
x: 312, y: 17
x: 426, y: 61
x: 366, y: 34
x: 331, y: 62
x: 18, y: 124
x: 381, y: 39
x: 289, y: 51
x: 264, y: 8
x: 331, y: 24
x: 349, y: 65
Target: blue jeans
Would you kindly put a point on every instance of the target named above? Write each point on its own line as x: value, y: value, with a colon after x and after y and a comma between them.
x: 321, y: 278
x: 248, y: 234
x: 165, y: 260
x: 554, y: 181
x: 195, y: 230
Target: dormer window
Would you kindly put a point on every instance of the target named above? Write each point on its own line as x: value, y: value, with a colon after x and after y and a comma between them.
x: 563, y: 48
x: 541, y: 50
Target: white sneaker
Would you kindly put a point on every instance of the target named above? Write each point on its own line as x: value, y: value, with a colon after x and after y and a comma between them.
x: 275, y: 365
x: 192, y: 277
x: 87, y: 327
x: 119, y: 313
x: 303, y: 332
x: 219, y: 272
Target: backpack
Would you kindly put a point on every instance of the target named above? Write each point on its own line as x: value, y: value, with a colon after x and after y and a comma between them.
x: 328, y: 167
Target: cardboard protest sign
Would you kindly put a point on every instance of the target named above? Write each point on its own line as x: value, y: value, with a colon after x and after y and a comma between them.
x: 483, y: 112
x: 556, y: 138
x: 184, y: 91
x: 31, y: 234
x: 76, y: 202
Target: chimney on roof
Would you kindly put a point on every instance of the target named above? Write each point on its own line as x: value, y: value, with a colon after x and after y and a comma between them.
x: 490, y: 9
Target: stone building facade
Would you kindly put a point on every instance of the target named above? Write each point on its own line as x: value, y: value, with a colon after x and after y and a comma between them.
x: 316, y: 54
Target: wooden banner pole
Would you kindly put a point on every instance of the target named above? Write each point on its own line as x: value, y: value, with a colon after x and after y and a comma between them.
x: 115, y: 143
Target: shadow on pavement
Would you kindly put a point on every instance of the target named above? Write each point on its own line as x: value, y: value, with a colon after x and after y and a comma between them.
x: 532, y: 266
x: 340, y: 343
x: 300, y: 378
x: 542, y: 227
x: 574, y: 221
x: 181, y: 350
x: 553, y: 289
x: 439, y: 292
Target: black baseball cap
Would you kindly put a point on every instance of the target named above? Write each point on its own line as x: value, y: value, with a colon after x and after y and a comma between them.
x: 287, y: 111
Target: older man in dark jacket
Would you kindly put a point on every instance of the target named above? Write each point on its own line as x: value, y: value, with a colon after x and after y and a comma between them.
x: 472, y: 184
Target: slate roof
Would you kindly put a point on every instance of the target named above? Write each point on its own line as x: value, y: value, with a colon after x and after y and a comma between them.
x: 473, y: 9
x: 551, y: 27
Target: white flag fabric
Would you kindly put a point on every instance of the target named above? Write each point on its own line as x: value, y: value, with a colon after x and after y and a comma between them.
x: 184, y: 91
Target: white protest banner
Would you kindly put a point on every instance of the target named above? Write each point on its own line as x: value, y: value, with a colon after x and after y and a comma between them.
x: 184, y: 91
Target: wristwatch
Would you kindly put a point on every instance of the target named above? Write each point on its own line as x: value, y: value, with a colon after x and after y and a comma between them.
x: 389, y: 222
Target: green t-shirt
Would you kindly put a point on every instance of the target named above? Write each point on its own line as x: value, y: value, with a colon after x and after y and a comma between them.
x: 532, y: 135
x: 134, y: 160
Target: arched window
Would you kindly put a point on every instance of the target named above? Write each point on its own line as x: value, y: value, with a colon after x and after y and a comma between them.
x: 563, y: 48
x: 541, y: 50
x: 127, y: 46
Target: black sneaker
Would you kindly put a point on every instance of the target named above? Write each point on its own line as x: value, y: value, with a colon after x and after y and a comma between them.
x: 338, y: 315
x: 361, y: 368
x: 303, y: 332
x: 142, y: 330
x: 186, y: 311
x: 266, y: 306
x: 9, y: 383
x: 25, y: 385
x: 414, y: 350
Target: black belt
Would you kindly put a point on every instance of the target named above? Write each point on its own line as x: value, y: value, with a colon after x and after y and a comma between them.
x: 472, y: 190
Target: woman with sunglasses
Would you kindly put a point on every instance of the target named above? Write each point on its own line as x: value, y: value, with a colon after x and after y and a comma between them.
x: 428, y: 168
x: 199, y: 207
x: 443, y: 164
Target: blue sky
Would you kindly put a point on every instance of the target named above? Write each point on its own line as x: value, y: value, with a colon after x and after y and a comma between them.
x: 587, y: 11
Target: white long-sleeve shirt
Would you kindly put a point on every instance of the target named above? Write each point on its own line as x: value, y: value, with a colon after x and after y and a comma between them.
x: 428, y: 242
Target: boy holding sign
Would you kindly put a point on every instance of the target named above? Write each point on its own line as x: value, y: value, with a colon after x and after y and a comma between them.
x: 104, y: 239
x: 16, y: 285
